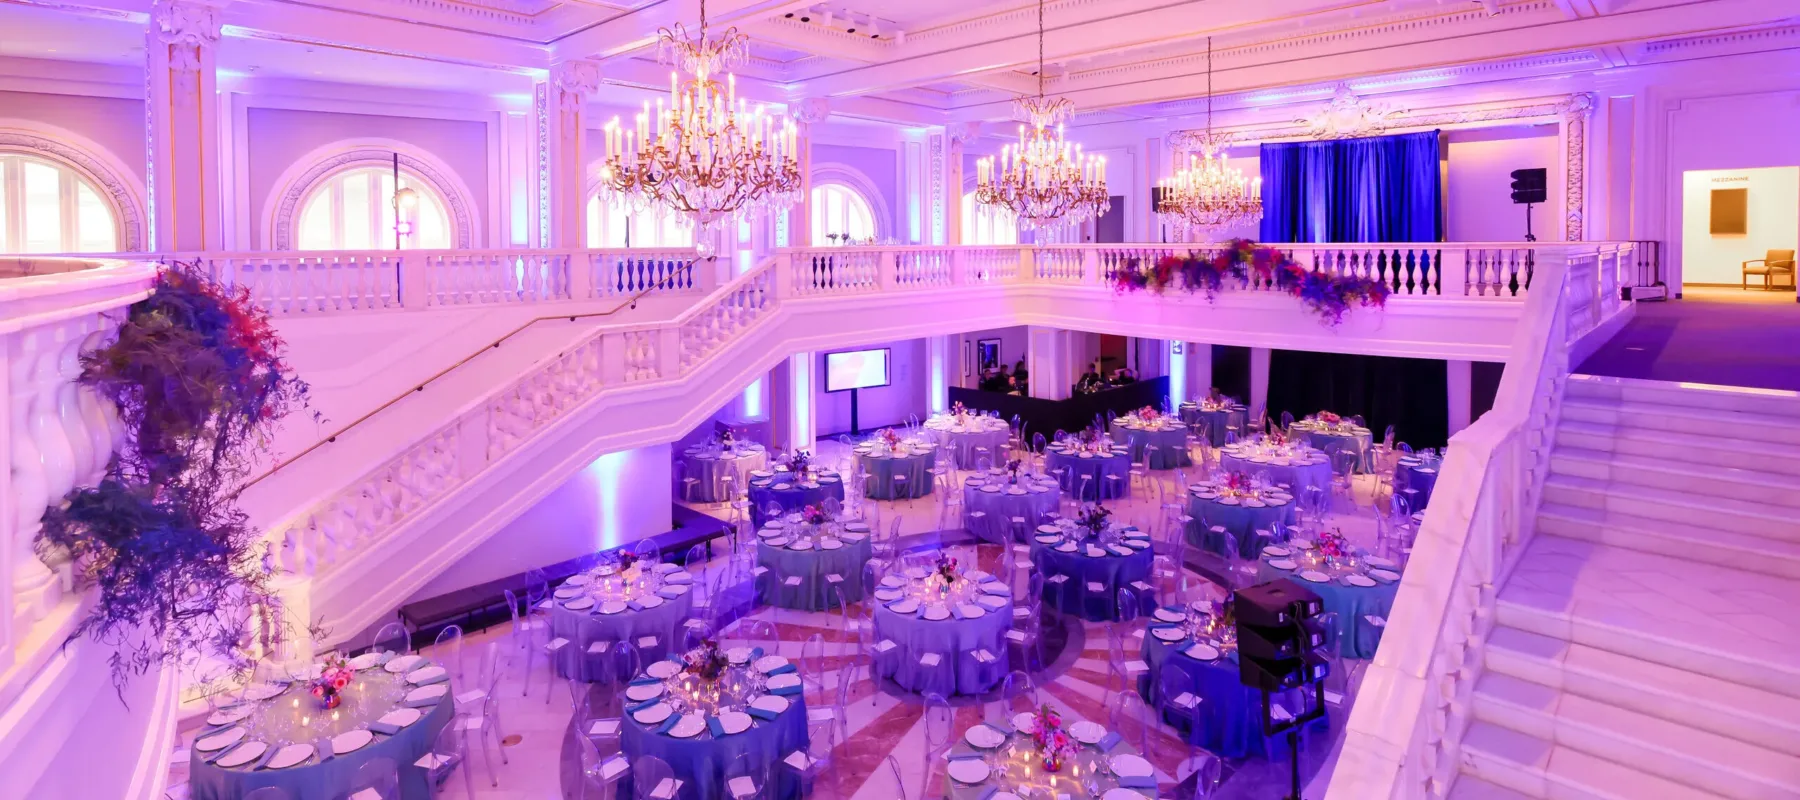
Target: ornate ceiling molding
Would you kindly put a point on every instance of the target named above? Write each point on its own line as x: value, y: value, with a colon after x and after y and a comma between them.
x: 1348, y: 115
x: 124, y: 200
x: 1780, y: 36
x: 287, y: 206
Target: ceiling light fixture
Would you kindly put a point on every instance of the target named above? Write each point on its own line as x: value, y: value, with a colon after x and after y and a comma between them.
x: 1209, y: 193
x: 1042, y: 180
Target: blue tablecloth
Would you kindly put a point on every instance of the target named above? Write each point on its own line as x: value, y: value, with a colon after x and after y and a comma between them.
x: 1355, y: 440
x: 954, y: 639
x: 1096, y: 468
x: 812, y: 566
x: 960, y: 445
x: 709, y: 468
x: 1295, y: 477
x: 585, y: 627
x: 703, y: 760
x: 796, y: 496
x: 313, y: 780
x: 1241, y: 521
x: 1356, y: 637
x: 1114, y: 571
x: 1230, y: 712
x: 882, y: 469
x: 1411, y: 473
x: 1216, y: 421
x: 1036, y: 504
x: 1171, y: 444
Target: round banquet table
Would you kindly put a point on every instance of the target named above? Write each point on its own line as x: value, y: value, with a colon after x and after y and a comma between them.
x: 959, y: 439
x: 1052, y: 555
x: 915, y: 464
x: 955, y: 639
x: 584, y: 626
x: 814, y: 562
x: 710, y: 466
x: 793, y: 495
x: 1242, y: 517
x: 1418, y: 475
x: 373, y: 693
x: 1217, y: 419
x: 1034, y: 499
x: 1315, y: 472
x: 1333, y: 439
x: 1230, y: 712
x: 1170, y: 439
x: 701, y: 761
x: 1096, y: 467
x: 1356, y: 637
x: 1017, y: 768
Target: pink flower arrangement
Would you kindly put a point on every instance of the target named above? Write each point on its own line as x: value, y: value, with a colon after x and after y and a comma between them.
x: 947, y: 568
x: 1329, y: 418
x: 329, y: 686
x: 890, y: 437
x: 1332, y: 545
x: 959, y: 410
x: 814, y: 514
x: 1149, y: 414
x: 1053, y: 743
x: 1237, y: 483
x: 1242, y: 265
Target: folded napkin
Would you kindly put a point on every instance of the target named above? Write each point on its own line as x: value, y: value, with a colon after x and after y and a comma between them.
x: 1003, y: 726
x: 438, y: 678
x: 1138, y: 782
x: 424, y: 701
x: 1110, y: 741
x: 969, y: 756
x: 669, y: 724
x: 781, y: 670
x: 762, y: 713
x: 635, y: 606
x: 636, y: 707
x: 717, y: 727
x: 383, y: 726
x: 956, y: 611
x: 786, y: 690
x: 988, y: 791
x: 756, y: 653
x: 645, y: 681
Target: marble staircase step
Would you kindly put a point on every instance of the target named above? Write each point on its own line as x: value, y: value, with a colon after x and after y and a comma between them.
x: 1681, y: 419
x: 1670, y: 750
x: 1540, y: 768
x: 1717, y: 513
x: 1726, y: 399
x: 1689, y: 542
x: 1702, y: 618
x: 1702, y: 448
x: 1469, y: 787
x: 1674, y: 476
x: 1745, y: 713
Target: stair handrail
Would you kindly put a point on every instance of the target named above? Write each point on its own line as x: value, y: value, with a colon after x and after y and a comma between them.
x: 629, y: 303
x: 1403, y: 739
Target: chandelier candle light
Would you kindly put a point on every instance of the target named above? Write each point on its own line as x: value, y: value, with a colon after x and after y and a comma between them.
x: 706, y: 153
x: 1043, y: 180
x: 1209, y: 193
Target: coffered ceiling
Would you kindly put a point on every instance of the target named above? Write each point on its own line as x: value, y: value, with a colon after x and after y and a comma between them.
x: 938, y: 61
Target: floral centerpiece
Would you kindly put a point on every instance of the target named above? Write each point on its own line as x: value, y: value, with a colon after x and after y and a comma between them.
x: 1237, y: 484
x: 726, y: 440
x: 1149, y: 414
x: 947, y: 568
x: 889, y: 437
x: 1053, y: 743
x: 814, y: 514
x: 799, y: 461
x: 333, y: 677
x: 706, y: 661
x: 1012, y: 470
x: 958, y: 410
x: 1332, y: 546
x: 1094, y: 518
x: 1329, y: 418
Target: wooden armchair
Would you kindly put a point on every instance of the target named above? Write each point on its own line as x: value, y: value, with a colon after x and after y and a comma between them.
x: 1774, y: 262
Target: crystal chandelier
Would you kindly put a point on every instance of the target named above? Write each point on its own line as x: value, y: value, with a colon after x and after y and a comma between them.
x: 1042, y: 180
x: 1209, y: 193
x: 705, y: 154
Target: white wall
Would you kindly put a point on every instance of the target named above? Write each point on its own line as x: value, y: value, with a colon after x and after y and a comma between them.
x: 1774, y: 221
x: 909, y: 368
x: 619, y: 498
x: 1478, y: 204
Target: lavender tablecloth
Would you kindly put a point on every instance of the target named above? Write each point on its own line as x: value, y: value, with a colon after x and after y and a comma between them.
x: 1096, y: 467
x: 1113, y: 571
x: 956, y: 640
x: 1034, y: 501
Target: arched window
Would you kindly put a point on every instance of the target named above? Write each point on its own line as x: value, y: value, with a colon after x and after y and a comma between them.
x: 354, y: 210
x: 987, y: 226
x: 840, y: 211
x: 49, y: 207
x: 612, y: 223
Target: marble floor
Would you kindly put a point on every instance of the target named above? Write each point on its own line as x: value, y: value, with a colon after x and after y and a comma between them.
x: 541, y: 755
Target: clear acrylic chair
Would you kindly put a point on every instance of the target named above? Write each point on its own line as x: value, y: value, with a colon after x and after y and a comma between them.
x: 393, y: 638
x: 380, y: 774
x: 448, y: 753
x: 653, y: 779
x: 600, y: 774
x: 747, y: 778
x: 938, y: 721
x: 447, y: 650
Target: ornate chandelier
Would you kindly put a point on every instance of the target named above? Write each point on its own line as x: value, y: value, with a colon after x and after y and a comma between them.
x: 706, y: 155
x: 1209, y: 193
x: 1041, y: 180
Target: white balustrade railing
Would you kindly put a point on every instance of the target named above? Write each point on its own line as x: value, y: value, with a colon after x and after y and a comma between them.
x: 1435, y: 269
x: 1404, y: 736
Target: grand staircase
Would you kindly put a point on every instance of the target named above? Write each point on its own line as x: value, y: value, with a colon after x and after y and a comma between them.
x: 1646, y: 645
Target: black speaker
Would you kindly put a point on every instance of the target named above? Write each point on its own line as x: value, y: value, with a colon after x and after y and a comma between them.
x: 1278, y: 635
x: 1530, y: 185
x: 1275, y: 603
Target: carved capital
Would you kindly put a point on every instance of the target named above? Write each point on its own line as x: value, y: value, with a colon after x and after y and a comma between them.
x: 575, y: 82
x: 963, y: 132
x: 1579, y: 105
x: 810, y: 110
x: 1348, y: 115
x: 192, y: 23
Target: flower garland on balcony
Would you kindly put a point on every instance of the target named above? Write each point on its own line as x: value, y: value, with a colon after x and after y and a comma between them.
x: 1243, y: 262
x: 197, y: 376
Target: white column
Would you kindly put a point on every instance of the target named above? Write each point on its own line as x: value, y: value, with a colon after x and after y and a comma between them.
x: 807, y: 114
x: 959, y: 135
x: 1259, y: 379
x: 181, y: 111
x: 1047, y: 354
x: 1458, y: 382
x: 1178, y: 373
x: 571, y: 84
x: 801, y: 419
x: 938, y: 380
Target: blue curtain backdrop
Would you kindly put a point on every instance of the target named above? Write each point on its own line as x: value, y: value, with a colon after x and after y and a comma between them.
x: 1376, y: 189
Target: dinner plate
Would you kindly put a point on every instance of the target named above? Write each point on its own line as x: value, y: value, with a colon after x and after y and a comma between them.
x: 1229, y: 501
x: 1303, y: 544
x: 402, y: 717
x: 365, y: 661
x: 662, y: 669
x: 906, y: 606
x: 650, y: 601
x: 402, y: 664
x: 768, y: 664
x: 771, y: 702
x: 425, y: 675
x: 1384, y: 575
x: 427, y: 692
x: 351, y: 741
x: 1095, y: 552
x: 936, y: 612
x: 1202, y: 652
x: 1170, y: 615
x: 782, y: 487
x: 984, y: 737
x: 734, y: 721
x: 1169, y: 634
x: 977, y: 575
x: 1025, y: 722
x: 251, y: 751
x: 1359, y: 580
x: 1378, y: 561
x: 738, y: 655
x: 770, y: 533
x: 226, y: 716
x: 566, y: 592
x: 653, y: 715
x: 991, y: 603
x: 779, y: 541
x: 581, y: 604
x: 894, y: 581
x: 613, y: 606
x: 1066, y: 547
x: 972, y: 611
x: 1117, y: 550
x: 1087, y: 732
x: 1282, y: 563
x: 219, y: 741
x: 802, y: 544
x: 783, y: 681
x: 1314, y: 576
x: 991, y: 489
x: 968, y: 770
x: 917, y: 573
x: 1049, y: 538
x: 1015, y: 490
x: 1126, y: 765
x: 887, y: 595
x: 830, y: 544
x: 1276, y: 550
x: 643, y: 692
x: 690, y: 726
x: 289, y: 756
x: 1122, y: 794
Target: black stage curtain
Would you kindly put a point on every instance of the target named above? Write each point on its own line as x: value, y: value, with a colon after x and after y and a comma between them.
x: 1407, y: 393
x: 1484, y: 380
x: 1230, y: 372
x: 1071, y: 415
